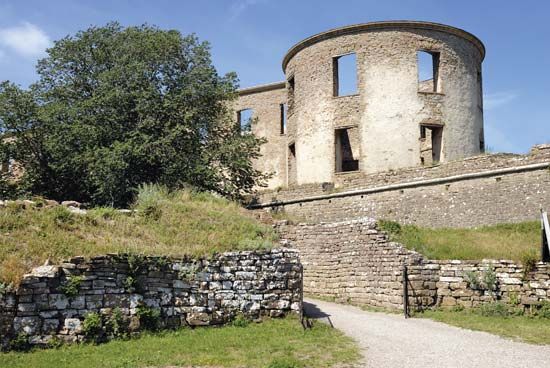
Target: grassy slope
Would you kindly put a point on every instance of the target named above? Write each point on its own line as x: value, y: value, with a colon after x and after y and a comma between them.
x: 180, y: 223
x: 505, y: 241
x: 257, y: 345
x: 525, y: 328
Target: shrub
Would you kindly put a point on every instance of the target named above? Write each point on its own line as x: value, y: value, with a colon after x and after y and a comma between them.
x: 515, y: 300
x: 149, y: 318
x: 457, y: 308
x: 529, y: 261
x: 101, y: 213
x: 5, y: 288
x: 62, y: 216
x: 129, y: 284
x: 55, y: 343
x: 493, y: 310
x: 149, y: 200
x: 115, y: 324
x: 71, y: 286
x: 490, y: 278
x: 472, y: 278
x: 390, y: 227
x: 240, y: 321
x: 92, y: 327
x: 20, y: 342
x: 543, y: 310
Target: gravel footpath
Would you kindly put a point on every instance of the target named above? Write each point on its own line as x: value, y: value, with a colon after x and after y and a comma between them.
x: 389, y: 341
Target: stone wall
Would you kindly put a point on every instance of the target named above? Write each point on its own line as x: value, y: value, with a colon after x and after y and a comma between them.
x: 482, y: 190
x: 353, y: 261
x: 265, y: 103
x: 191, y: 292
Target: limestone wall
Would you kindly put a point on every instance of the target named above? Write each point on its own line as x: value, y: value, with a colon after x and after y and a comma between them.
x: 481, y: 190
x: 389, y: 105
x: 352, y: 261
x: 184, y: 291
x: 265, y: 103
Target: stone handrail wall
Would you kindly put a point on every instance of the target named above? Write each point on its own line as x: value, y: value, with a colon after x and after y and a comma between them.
x: 353, y: 261
x: 481, y: 190
x: 185, y: 291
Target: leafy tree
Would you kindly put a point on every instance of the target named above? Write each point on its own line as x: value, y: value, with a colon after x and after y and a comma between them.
x: 116, y: 107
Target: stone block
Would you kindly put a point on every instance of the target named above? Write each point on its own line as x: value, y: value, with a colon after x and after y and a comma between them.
x: 58, y: 301
x: 28, y: 325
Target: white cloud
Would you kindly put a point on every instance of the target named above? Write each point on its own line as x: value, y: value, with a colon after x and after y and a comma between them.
x: 240, y: 6
x: 27, y: 39
x: 497, y: 99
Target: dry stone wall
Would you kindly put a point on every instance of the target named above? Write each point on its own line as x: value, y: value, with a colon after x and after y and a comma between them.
x: 193, y: 292
x: 353, y: 261
x: 483, y: 190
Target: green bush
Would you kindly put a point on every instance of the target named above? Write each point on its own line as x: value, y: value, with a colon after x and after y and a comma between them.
x: 490, y: 278
x: 92, y: 327
x: 543, y: 310
x: 149, y: 200
x: 240, y: 321
x: 101, y: 213
x: 529, y: 260
x: 149, y: 318
x: 62, y: 216
x: 71, y: 286
x: 20, y: 342
x: 115, y: 325
x: 472, y: 278
x: 391, y: 227
x: 497, y: 309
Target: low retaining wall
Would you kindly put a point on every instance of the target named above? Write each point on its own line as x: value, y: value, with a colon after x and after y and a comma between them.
x: 353, y: 261
x: 193, y: 292
x: 482, y: 190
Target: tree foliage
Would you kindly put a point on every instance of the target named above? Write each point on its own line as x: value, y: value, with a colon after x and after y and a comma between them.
x: 116, y: 107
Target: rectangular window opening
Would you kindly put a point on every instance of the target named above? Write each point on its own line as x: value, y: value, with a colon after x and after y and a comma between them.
x: 290, y: 98
x: 347, y: 149
x: 344, y: 70
x: 481, y: 142
x: 284, y: 114
x: 428, y: 71
x: 244, y: 119
x: 291, y: 173
x: 431, y: 138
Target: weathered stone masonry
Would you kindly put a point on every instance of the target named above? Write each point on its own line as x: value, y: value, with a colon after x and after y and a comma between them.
x: 394, y: 118
x: 185, y: 291
x: 353, y: 261
x: 482, y: 190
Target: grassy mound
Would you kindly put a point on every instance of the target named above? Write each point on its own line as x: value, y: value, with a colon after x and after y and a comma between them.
x: 519, y: 242
x: 274, y: 343
x: 164, y: 223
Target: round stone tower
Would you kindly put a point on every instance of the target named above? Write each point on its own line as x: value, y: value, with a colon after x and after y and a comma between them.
x: 393, y: 111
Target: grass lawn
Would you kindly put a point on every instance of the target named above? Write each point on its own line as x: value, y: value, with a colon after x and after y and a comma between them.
x: 177, y: 223
x: 518, y: 242
x: 524, y: 328
x: 274, y: 343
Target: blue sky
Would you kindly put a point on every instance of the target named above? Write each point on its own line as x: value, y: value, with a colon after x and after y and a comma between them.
x: 251, y: 37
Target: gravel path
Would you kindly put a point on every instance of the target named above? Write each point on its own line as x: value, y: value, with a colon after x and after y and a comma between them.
x: 389, y: 341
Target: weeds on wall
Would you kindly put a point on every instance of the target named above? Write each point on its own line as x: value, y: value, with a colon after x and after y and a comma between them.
x: 98, y: 328
x: 5, y: 288
x: 472, y: 278
x: 149, y: 318
x: 487, y: 280
x: 137, y: 263
x: 71, y: 286
x: 20, y: 343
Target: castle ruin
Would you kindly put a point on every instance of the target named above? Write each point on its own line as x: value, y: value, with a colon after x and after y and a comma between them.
x: 390, y: 117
